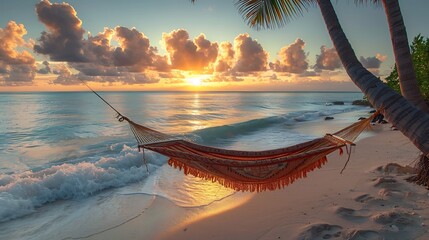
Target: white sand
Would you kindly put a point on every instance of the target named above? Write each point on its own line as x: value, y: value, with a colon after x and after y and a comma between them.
x: 370, y: 200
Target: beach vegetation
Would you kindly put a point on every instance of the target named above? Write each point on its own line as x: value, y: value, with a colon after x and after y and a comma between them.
x: 420, y: 57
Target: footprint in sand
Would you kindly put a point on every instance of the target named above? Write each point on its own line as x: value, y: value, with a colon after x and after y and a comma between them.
x: 385, y: 182
x: 371, y: 201
x: 398, y: 225
x: 352, y: 215
x: 320, y: 231
x: 391, y: 193
x: 397, y: 218
x: 396, y: 169
x: 364, y: 198
x: 363, y: 235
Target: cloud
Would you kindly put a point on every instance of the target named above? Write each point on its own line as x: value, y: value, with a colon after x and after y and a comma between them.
x: 134, y: 54
x: 64, y: 39
x: 373, y: 63
x: 94, y: 69
x: 98, y: 48
x: 96, y: 55
x: 138, y: 78
x: 293, y: 59
x: 381, y: 57
x: 134, y: 49
x: 274, y: 77
x: 224, y: 77
x: 45, y: 69
x: 327, y: 60
x: 16, y: 68
x: 249, y: 55
x: 370, y: 62
x: 65, y: 76
x: 309, y: 74
x: 225, y: 59
x: 185, y: 54
x: 20, y: 74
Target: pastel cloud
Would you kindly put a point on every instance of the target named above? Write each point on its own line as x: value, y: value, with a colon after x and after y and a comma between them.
x: 186, y: 54
x: 249, y: 55
x: 16, y: 67
x: 225, y: 59
x: 327, y: 60
x: 293, y: 58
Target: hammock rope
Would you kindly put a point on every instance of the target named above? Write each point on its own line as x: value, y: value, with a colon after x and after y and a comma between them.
x: 245, y: 170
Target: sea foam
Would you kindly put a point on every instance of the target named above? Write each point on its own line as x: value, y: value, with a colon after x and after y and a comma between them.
x: 21, y: 193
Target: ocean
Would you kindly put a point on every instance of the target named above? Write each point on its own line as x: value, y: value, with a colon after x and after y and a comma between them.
x: 66, y: 150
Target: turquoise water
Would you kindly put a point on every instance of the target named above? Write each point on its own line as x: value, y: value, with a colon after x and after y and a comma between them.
x: 68, y: 145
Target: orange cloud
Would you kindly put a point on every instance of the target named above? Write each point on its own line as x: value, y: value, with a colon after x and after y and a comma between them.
x: 249, y: 55
x: 293, y: 59
x: 16, y: 68
x: 327, y: 60
x: 225, y: 58
x: 185, y: 54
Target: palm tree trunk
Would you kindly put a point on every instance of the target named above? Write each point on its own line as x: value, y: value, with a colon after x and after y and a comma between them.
x: 411, y: 121
x: 404, y: 63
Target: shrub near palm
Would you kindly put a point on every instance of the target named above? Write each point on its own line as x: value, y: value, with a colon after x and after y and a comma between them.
x: 420, y: 56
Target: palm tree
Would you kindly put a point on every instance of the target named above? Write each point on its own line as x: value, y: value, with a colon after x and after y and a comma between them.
x: 401, y: 50
x: 411, y: 121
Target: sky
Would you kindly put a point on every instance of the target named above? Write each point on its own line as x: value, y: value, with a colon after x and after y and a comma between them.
x: 179, y: 46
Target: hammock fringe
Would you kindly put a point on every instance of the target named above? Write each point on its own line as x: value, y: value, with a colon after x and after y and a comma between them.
x: 250, y: 186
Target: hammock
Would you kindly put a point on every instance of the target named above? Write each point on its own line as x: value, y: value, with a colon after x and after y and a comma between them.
x: 247, y: 170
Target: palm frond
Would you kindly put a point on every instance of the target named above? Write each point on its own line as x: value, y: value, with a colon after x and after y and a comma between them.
x: 271, y: 13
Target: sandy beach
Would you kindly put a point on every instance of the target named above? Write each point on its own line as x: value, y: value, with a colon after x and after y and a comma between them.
x: 370, y: 200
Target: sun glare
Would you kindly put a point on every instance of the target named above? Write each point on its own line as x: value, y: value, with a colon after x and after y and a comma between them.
x: 195, y: 81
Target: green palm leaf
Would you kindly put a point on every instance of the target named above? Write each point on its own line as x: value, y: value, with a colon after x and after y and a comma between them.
x: 271, y: 13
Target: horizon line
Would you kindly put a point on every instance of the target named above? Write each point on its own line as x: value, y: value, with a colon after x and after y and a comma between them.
x: 184, y: 91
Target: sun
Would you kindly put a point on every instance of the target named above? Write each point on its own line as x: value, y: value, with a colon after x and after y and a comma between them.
x: 195, y: 81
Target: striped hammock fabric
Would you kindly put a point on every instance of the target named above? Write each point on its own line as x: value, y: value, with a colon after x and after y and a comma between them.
x: 247, y: 170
